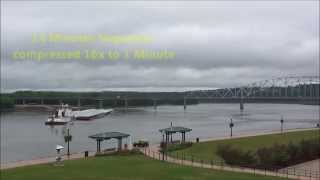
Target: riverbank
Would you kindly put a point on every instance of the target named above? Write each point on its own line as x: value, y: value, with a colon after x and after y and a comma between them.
x: 78, y: 155
x: 35, y: 108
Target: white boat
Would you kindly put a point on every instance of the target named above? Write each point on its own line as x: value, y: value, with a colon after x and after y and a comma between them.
x: 57, y: 120
x: 61, y: 116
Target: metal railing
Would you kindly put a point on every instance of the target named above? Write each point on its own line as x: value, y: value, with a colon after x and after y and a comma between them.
x: 216, y: 164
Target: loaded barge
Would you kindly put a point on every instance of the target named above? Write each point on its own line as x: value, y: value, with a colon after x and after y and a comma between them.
x: 90, y: 114
x: 64, y: 114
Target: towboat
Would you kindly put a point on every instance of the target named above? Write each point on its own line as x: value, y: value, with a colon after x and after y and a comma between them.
x: 61, y: 116
x: 57, y: 120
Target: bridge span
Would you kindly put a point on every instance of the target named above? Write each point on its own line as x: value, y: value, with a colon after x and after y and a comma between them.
x: 302, y: 89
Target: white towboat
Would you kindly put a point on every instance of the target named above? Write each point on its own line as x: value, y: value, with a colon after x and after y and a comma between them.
x: 61, y: 116
x: 57, y: 121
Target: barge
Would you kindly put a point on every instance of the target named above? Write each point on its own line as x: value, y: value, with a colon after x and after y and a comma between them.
x: 90, y: 114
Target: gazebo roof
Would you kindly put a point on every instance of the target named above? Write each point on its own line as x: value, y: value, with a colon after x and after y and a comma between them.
x: 109, y: 135
x: 174, y: 129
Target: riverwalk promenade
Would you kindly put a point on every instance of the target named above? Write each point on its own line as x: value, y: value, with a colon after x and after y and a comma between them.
x: 153, y: 152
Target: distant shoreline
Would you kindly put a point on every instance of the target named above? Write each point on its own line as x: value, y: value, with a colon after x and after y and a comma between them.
x: 50, y: 108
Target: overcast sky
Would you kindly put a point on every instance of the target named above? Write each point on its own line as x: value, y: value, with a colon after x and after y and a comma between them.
x: 217, y: 44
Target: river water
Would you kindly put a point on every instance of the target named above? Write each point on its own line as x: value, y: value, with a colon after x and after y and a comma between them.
x: 24, y: 135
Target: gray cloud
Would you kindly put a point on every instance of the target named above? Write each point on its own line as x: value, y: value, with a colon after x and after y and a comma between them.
x: 218, y: 44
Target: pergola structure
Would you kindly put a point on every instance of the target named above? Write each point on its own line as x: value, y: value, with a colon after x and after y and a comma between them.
x: 107, y: 136
x: 167, y: 133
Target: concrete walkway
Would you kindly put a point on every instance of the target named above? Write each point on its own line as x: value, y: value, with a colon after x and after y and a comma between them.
x: 312, y: 165
x: 307, y: 168
x: 44, y: 160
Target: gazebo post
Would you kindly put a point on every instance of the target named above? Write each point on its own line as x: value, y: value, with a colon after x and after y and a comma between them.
x: 167, y: 137
x: 183, y: 138
x: 162, y: 137
x: 97, y: 145
x: 119, y: 144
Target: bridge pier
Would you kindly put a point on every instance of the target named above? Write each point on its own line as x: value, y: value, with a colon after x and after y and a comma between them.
x: 184, y: 103
x: 126, y: 103
x: 79, y: 102
x: 241, y: 100
x: 317, y: 90
x: 154, y: 104
x: 101, y: 103
x: 115, y: 103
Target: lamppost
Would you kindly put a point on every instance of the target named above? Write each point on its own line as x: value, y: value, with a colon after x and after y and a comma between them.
x: 281, y: 121
x: 58, y: 158
x: 67, y: 139
x: 231, y: 126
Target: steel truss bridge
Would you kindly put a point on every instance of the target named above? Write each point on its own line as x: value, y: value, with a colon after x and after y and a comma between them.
x: 285, y: 89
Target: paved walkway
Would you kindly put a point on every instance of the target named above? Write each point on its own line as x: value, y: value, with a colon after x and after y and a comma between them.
x: 239, y: 135
x: 307, y: 167
x: 44, y: 160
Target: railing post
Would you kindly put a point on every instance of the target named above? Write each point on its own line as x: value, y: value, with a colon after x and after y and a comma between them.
x: 265, y: 171
x: 192, y: 160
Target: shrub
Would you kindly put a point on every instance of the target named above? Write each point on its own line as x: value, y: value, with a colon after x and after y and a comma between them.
x: 276, y: 156
x: 234, y: 156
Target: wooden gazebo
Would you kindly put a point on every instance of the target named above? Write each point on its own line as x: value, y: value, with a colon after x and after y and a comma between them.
x: 167, y: 133
x: 107, y: 136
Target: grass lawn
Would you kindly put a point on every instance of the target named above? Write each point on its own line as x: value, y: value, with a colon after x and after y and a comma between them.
x: 207, y: 150
x: 124, y: 167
